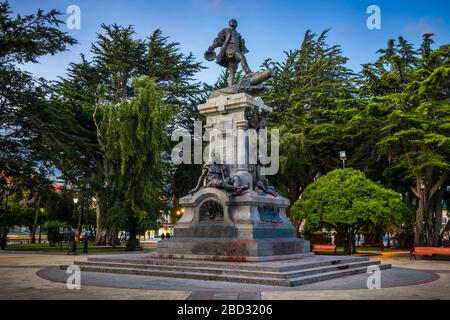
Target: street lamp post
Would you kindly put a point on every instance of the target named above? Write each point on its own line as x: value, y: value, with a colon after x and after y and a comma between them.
x: 3, y: 239
x: 422, y: 194
x: 61, y: 238
x: 75, y: 201
x: 343, y: 156
x: 74, y: 238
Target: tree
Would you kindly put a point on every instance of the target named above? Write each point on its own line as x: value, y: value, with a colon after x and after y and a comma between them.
x: 173, y: 71
x: 52, y: 228
x: 12, y: 213
x: 79, y: 94
x: 32, y: 129
x: 132, y: 139
x: 346, y: 201
x: 107, y: 79
x: 118, y: 57
x: 24, y: 109
x: 306, y: 87
x: 408, y: 99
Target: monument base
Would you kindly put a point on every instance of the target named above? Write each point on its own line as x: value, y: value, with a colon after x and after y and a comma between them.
x: 248, y: 227
x: 268, y: 249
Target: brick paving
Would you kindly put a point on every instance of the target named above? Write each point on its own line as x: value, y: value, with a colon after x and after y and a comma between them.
x: 19, y: 279
x: 212, y: 295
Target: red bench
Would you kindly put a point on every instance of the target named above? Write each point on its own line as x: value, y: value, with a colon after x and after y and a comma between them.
x: 428, y: 251
x: 324, y: 248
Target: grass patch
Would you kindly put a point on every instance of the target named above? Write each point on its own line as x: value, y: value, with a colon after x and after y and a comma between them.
x: 39, y: 247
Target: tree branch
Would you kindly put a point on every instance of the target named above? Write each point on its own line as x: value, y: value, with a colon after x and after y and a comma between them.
x: 438, y: 184
x: 415, y: 191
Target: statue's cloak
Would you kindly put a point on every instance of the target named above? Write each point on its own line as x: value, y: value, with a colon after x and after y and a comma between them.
x: 222, y: 40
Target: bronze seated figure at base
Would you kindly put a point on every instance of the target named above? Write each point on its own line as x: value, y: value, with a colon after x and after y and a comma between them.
x: 217, y: 175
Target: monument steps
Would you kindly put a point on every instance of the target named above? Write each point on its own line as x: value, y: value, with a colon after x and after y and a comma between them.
x: 325, y: 269
x: 241, y: 272
x: 332, y: 275
x: 186, y: 275
x: 271, y: 266
x: 163, y: 268
x: 282, y: 273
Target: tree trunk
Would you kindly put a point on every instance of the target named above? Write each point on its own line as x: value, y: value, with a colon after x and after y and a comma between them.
x: 421, y: 216
x: 98, y: 217
x: 347, y: 245
x: 297, y: 224
x: 419, y: 238
x: 103, y: 236
x: 106, y: 237
x: 346, y: 242
x: 353, y: 246
x: 3, y: 228
x: 436, y: 234
x: 132, y: 241
x: 100, y: 237
x: 36, y: 219
x: 3, y: 237
x: 423, y: 235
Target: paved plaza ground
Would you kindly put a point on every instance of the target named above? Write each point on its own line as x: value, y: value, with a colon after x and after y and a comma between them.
x: 37, y: 276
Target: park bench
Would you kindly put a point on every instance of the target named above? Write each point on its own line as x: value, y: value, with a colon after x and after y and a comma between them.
x: 324, y: 248
x: 428, y: 251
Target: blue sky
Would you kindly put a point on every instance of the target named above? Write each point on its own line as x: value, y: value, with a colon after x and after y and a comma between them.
x: 269, y: 26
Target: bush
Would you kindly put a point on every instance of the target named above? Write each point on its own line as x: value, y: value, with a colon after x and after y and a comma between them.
x: 52, y: 229
x: 347, y: 201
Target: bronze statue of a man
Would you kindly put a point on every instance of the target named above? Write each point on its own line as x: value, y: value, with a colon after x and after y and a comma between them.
x: 217, y: 175
x: 232, y: 51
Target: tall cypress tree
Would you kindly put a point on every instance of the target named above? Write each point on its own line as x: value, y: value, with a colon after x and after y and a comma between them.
x: 31, y: 127
x: 308, y: 85
x: 409, y: 96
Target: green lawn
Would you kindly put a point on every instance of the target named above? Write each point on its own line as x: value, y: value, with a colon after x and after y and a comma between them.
x: 40, y: 247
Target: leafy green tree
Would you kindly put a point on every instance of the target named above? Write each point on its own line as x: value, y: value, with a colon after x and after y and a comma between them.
x: 132, y: 139
x: 107, y: 79
x: 174, y: 73
x: 346, y: 201
x: 12, y: 214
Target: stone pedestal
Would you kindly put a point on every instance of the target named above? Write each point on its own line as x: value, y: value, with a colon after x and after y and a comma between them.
x: 248, y: 227
x: 217, y: 225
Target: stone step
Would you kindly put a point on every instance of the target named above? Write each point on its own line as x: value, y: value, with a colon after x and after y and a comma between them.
x: 235, y: 272
x: 186, y: 269
x: 324, y: 269
x: 186, y: 275
x: 332, y: 275
x: 285, y: 266
x: 289, y: 278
